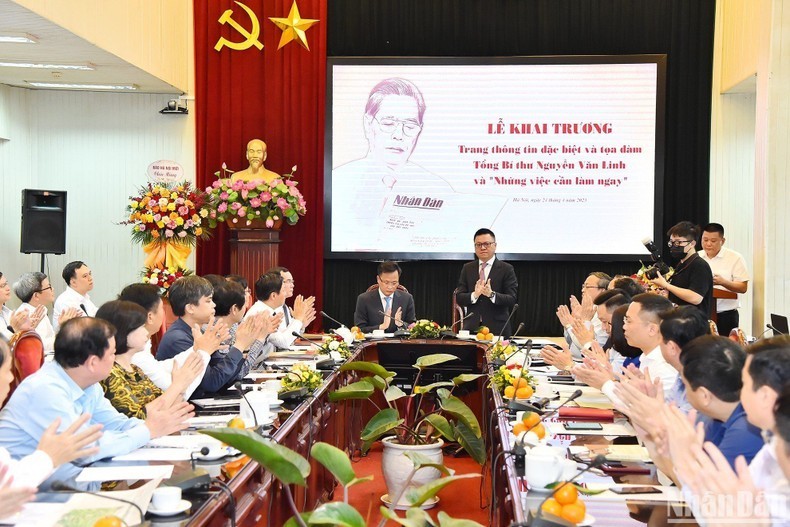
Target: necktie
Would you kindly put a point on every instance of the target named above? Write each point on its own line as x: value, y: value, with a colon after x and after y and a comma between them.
x: 483, y: 271
x: 387, y: 303
x: 285, y: 315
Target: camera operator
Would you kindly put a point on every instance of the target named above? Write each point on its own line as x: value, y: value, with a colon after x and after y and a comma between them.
x: 692, y: 282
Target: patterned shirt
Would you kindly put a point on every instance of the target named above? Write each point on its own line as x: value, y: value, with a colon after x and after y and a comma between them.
x: 129, y: 391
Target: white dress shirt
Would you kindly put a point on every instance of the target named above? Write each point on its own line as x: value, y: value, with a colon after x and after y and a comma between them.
x: 44, y: 329
x: 29, y: 471
x: 730, y: 265
x: 71, y: 298
x: 486, y: 273
x: 283, y: 337
x: 5, y: 314
x: 161, y: 371
x: 659, y: 368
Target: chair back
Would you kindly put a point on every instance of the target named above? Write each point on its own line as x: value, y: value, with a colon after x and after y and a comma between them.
x: 27, y: 351
x: 714, y: 330
x: 375, y: 287
x: 738, y: 336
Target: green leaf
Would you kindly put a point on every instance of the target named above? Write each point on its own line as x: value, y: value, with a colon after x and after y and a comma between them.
x: 284, y: 464
x: 337, y: 513
x: 428, y: 387
x: 394, y: 393
x: 473, y: 444
x: 467, y: 377
x: 422, y: 494
x: 369, y: 367
x: 455, y: 406
x: 446, y: 521
x: 380, y: 424
x: 440, y: 423
x: 421, y: 461
x: 233, y: 196
x: 414, y: 517
x: 377, y: 382
x: 335, y: 460
x: 443, y: 393
x: 361, y: 389
x: 433, y: 360
x: 292, y: 520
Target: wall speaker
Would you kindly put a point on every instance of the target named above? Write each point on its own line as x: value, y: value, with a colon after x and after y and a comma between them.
x: 43, y: 222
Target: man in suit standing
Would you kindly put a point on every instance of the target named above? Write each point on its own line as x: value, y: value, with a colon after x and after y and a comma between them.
x: 487, y: 287
x: 385, y: 308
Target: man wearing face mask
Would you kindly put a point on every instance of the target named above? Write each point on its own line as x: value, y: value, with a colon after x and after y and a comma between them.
x: 692, y: 282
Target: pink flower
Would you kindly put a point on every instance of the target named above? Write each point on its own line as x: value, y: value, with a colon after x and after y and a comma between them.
x: 141, y: 227
x: 242, y: 212
x: 152, y: 203
x: 171, y: 225
x: 180, y: 201
x: 276, y: 182
x: 182, y: 210
x: 168, y: 233
x: 216, y: 184
x: 235, y: 206
x: 282, y: 203
x: 293, y: 191
x: 237, y: 185
x: 255, y: 203
x: 157, y: 217
x: 302, y: 203
x: 290, y: 183
x: 224, y: 166
x: 269, y: 223
x: 213, y: 213
x: 182, y: 234
x: 188, y: 223
x: 222, y: 207
x: 223, y: 196
x: 244, y: 193
x: 266, y: 197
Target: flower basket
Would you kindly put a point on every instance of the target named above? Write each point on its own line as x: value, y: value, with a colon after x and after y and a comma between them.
x: 425, y: 329
x: 236, y: 224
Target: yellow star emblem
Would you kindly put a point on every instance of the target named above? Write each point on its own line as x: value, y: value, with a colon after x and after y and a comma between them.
x: 293, y: 27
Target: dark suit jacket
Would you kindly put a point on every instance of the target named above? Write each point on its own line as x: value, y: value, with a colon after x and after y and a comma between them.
x: 491, y: 314
x: 222, y: 370
x: 367, y: 315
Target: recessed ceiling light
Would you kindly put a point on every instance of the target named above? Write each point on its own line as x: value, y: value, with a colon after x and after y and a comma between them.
x: 44, y: 66
x: 18, y: 38
x: 67, y: 86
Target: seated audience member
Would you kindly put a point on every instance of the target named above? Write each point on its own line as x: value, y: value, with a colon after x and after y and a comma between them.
x: 229, y: 309
x: 385, y: 308
x: 79, y: 281
x: 53, y: 449
x: 214, y: 279
x: 69, y: 387
x: 243, y: 282
x: 271, y: 290
x: 627, y: 285
x: 729, y: 274
x: 15, y: 321
x: 191, y: 300
x: 127, y: 387
x: 692, y: 282
x: 161, y: 371
x: 35, y: 291
x: 711, y: 372
x: 642, y: 330
x: 620, y: 348
x: 584, y: 312
x: 679, y: 326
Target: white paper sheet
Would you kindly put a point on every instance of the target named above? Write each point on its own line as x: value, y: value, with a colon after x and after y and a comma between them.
x: 185, y: 441
x: 125, y: 473
x: 156, y: 454
x: 267, y: 375
x: 41, y: 514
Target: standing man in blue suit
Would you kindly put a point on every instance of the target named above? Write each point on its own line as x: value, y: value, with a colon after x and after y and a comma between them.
x: 386, y: 308
x: 487, y: 287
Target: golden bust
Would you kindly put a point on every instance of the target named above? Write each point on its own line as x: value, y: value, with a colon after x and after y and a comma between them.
x: 256, y: 155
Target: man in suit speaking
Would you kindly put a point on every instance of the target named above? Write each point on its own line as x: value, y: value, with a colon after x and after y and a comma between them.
x: 487, y: 287
x: 386, y: 308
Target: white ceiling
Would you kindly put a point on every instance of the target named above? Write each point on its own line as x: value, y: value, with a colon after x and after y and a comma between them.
x: 57, y: 45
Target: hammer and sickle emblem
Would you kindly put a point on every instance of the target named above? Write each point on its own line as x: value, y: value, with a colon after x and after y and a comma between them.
x: 251, y: 36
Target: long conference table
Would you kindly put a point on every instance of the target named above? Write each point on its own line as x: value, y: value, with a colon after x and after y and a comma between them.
x: 259, y: 500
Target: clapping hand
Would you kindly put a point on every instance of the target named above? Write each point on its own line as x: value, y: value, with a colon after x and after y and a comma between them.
x: 480, y: 286
x: 68, y: 314
x: 564, y: 316
x: 582, y: 333
x: 560, y: 359
x: 210, y: 340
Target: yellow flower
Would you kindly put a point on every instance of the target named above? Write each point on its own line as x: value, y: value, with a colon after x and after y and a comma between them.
x: 198, y: 231
x: 134, y: 204
x: 203, y: 213
x: 164, y: 193
x: 188, y: 203
x: 171, y: 206
x: 173, y: 215
x: 160, y: 224
x: 179, y: 221
x: 195, y: 218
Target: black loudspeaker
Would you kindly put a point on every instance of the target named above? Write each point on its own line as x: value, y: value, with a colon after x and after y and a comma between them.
x: 43, y: 222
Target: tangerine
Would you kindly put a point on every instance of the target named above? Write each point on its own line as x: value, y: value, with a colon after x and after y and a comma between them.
x: 108, y: 521
x: 551, y: 506
x: 518, y: 428
x: 481, y: 336
x: 484, y: 330
x: 573, y: 512
x: 510, y: 391
x: 519, y: 382
x: 540, y: 430
x: 524, y: 392
x: 489, y: 336
x: 566, y: 493
x: 236, y: 422
x: 531, y: 419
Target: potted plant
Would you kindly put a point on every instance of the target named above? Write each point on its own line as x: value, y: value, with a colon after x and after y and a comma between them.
x: 419, y: 421
x: 290, y: 468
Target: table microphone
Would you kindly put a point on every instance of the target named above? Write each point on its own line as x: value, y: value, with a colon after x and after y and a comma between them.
x: 512, y: 312
x: 518, y: 449
x: 204, y: 451
x: 500, y: 362
x: 319, y: 364
x: 60, y: 486
x: 323, y: 314
x: 449, y: 332
x: 545, y: 519
x: 776, y: 331
x: 239, y: 387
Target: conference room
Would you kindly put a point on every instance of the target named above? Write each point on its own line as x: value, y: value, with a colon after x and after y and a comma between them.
x: 390, y: 181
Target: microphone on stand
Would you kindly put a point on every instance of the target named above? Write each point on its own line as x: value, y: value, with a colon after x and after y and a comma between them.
x: 323, y: 314
x: 519, y: 453
x: 319, y: 364
x: 254, y: 416
x: 500, y: 362
x: 545, y: 519
x: 399, y: 331
x: 60, y: 486
x: 449, y: 332
x: 776, y: 331
x: 512, y: 312
x: 204, y: 451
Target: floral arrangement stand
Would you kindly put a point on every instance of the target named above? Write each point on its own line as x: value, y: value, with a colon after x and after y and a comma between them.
x: 253, y: 249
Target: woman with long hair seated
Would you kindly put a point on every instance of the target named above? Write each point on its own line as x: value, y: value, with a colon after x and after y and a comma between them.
x: 127, y: 387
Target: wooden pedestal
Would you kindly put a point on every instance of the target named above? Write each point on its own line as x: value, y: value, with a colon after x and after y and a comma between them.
x: 253, y: 251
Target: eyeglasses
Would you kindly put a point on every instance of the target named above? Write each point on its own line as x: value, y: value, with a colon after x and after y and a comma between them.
x: 392, y: 283
x: 591, y: 287
x: 387, y: 125
x: 3, y: 286
x: 678, y: 243
x: 289, y: 281
x: 484, y: 245
x: 44, y: 289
